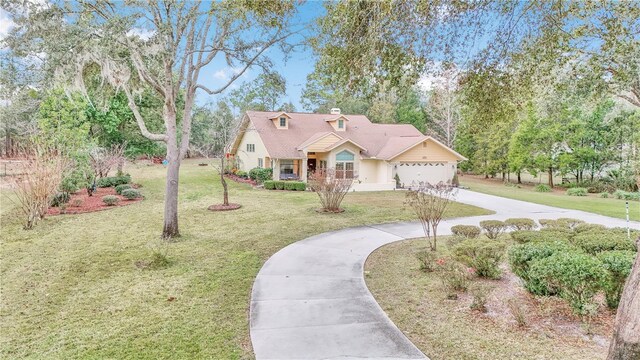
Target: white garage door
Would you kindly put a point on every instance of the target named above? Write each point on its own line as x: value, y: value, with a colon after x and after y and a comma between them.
x: 431, y: 172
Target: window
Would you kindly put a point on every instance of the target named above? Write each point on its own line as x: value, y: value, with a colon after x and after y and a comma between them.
x: 251, y: 147
x: 283, y: 122
x: 323, y: 164
x: 340, y: 124
x: 344, y: 165
x: 286, y: 167
x: 260, y: 162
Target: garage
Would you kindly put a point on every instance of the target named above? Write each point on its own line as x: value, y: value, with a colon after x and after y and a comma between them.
x: 431, y: 172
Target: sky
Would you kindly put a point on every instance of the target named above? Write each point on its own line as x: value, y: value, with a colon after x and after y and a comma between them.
x: 294, y: 69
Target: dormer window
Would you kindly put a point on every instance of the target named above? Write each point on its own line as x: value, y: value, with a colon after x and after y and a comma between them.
x: 340, y: 124
x: 283, y: 122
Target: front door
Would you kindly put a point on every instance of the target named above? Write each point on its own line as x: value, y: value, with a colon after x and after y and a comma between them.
x: 311, y: 166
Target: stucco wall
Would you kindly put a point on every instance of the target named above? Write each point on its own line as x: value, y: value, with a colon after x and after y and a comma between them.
x: 429, y: 150
x: 249, y: 160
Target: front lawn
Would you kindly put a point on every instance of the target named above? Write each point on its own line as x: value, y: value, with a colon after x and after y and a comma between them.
x: 591, y: 203
x: 449, y: 329
x: 73, y: 287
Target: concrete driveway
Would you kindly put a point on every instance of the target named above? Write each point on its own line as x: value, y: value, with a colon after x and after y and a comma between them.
x: 310, y: 300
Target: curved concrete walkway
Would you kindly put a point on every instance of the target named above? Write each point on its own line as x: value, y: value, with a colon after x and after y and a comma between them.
x: 310, y: 300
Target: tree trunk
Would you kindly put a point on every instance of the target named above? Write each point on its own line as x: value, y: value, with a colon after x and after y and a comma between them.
x: 170, y: 229
x: 519, y: 178
x: 551, y: 177
x: 625, y: 344
x: 225, y: 190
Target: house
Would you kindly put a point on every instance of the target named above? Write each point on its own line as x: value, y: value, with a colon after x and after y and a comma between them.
x: 296, y: 144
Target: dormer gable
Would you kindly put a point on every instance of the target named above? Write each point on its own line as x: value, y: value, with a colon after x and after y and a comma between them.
x: 281, y: 120
x: 338, y: 123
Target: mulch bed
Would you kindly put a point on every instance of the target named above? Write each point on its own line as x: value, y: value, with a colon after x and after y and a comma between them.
x: 91, y: 203
x: 221, y: 207
x: 239, y: 179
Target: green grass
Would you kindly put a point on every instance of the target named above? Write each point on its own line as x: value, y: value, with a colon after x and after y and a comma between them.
x: 71, y: 289
x: 444, y: 329
x: 592, y: 203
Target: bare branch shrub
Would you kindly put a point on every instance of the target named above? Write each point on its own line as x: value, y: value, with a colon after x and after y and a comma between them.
x: 102, y: 160
x: 429, y: 203
x: 331, y: 189
x: 43, y: 173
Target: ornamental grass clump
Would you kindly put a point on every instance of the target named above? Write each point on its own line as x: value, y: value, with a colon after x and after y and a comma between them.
x: 131, y: 194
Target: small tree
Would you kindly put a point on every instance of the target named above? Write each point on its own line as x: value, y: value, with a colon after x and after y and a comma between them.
x: 330, y: 189
x: 429, y: 203
x: 102, y: 160
x: 34, y: 190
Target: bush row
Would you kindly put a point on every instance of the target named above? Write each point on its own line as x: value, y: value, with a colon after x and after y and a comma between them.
x: 261, y: 175
x: 285, y: 185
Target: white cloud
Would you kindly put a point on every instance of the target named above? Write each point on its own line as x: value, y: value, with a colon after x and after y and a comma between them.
x: 221, y: 74
x: 143, y: 34
x: 226, y: 73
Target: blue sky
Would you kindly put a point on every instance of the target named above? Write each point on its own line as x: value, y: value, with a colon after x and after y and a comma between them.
x: 295, y: 69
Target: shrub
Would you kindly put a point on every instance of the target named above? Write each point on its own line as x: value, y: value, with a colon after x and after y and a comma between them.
x: 131, y: 194
x: 604, y: 195
x: 110, y: 200
x: 493, y: 228
x: 480, y: 297
x: 242, y: 174
x: 467, y: 231
x: 113, y: 181
x: 521, y: 224
x: 542, y: 188
x: 427, y: 260
x: 626, y: 195
x: 576, y: 277
x: 483, y: 256
x: 295, y: 186
x: 122, y: 187
x: 279, y: 185
x: 269, y: 185
x: 454, y: 276
x: 76, y: 202
x: 526, y: 236
x: 580, y: 228
x: 618, y: 263
x: 60, y: 198
x: 330, y: 187
x: 261, y: 175
x: 577, y: 192
x: 518, y: 312
x: 570, y: 222
x: 522, y: 256
x: 596, y: 242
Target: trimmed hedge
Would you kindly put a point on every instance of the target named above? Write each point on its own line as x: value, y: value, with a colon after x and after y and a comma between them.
x: 261, y: 174
x: 467, y: 231
x: 521, y: 224
x: 594, y: 243
x: 575, y: 276
x: 618, y: 263
x: 285, y: 185
x: 483, y: 256
x: 580, y: 228
x: 113, y: 181
x: 577, y: 192
x: 522, y: 256
x: 526, y: 236
x: 295, y: 186
x: 493, y: 228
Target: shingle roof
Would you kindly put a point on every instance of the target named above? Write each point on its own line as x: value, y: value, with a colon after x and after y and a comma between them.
x: 305, y: 128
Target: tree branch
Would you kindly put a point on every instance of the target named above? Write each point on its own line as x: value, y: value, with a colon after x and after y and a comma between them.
x: 136, y: 113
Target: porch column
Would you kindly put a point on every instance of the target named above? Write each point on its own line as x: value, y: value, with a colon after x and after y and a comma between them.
x: 303, y: 170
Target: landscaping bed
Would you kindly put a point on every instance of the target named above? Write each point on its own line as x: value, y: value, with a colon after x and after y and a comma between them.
x: 91, y: 203
x: 449, y: 329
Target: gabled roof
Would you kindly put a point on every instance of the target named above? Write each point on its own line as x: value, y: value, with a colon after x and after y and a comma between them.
x: 281, y: 114
x: 337, y: 118
x: 380, y: 141
x: 344, y: 141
